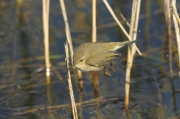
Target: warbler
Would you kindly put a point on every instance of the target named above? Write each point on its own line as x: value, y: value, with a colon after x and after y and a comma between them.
x: 94, y: 56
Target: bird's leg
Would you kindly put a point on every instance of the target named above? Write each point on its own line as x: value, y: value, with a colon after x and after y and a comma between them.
x: 106, y: 72
x: 111, y: 68
x: 111, y: 63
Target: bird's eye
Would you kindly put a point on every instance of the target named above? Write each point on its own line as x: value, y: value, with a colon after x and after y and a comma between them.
x: 81, y: 60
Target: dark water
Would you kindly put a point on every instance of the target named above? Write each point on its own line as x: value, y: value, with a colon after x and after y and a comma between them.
x: 23, y: 90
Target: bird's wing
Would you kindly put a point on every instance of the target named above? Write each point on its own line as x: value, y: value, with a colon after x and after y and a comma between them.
x: 101, y: 59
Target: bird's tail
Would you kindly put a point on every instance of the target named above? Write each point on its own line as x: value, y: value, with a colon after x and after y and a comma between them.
x: 121, y: 44
x: 127, y: 42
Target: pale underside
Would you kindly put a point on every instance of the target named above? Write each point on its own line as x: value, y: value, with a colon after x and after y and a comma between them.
x: 97, y: 61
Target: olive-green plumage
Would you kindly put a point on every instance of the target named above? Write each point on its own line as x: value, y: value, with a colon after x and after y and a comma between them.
x: 94, y: 56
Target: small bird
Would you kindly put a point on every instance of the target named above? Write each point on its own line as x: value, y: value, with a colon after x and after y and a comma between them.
x: 94, y: 56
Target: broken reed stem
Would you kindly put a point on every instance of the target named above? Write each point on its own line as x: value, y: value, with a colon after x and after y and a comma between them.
x: 131, y: 49
x: 46, y: 35
x: 120, y: 25
x: 74, y: 110
x: 68, y: 34
x: 173, y: 4
x: 69, y: 40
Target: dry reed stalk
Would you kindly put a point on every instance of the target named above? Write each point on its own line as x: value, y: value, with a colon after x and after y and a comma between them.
x: 95, y: 81
x: 127, y: 83
x: 129, y: 57
x: 168, y: 5
x: 94, y: 21
x: 48, y: 94
x: 18, y: 111
x: 167, y: 9
x: 79, y: 73
x: 133, y: 13
x: 46, y: 35
x: 174, y: 10
x: 120, y: 25
x: 69, y: 42
x: 168, y: 21
x: 136, y: 22
x: 74, y: 110
x: 175, y: 19
x: 124, y: 19
x: 94, y: 39
x: 131, y: 49
x: 46, y: 4
x: 68, y: 34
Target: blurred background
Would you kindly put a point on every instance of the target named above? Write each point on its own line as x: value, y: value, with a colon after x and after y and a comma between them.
x: 23, y: 90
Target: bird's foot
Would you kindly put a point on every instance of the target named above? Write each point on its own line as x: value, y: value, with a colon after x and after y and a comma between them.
x: 107, y: 72
x: 112, y: 69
